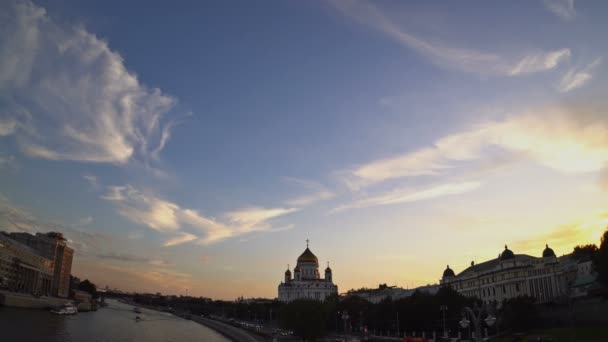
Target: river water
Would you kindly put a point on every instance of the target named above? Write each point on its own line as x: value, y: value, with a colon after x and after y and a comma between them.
x: 114, y: 323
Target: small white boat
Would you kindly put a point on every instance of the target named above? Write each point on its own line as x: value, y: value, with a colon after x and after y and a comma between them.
x: 66, y: 309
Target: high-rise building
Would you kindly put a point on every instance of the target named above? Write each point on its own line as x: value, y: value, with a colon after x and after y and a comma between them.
x: 52, y: 246
x: 22, y: 269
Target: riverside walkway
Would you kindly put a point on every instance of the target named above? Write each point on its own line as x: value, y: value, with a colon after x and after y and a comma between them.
x: 234, y: 333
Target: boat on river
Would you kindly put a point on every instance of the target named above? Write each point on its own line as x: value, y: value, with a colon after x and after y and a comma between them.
x: 66, y: 309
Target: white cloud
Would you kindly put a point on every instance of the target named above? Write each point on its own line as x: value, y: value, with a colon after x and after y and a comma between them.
x: 551, y: 137
x: 85, y: 221
x: 7, y: 126
x: 179, y: 239
x: 577, y: 77
x: 562, y: 8
x: 539, y: 61
x: 92, y: 180
x: 316, y: 192
x: 467, y: 60
x: 184, y: 224
x: 70, y: 97
x: 255, y: 218
x: 411, y: 195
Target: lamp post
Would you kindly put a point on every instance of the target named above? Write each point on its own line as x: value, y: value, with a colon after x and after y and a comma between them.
x: 345, y: 317
x: 443, y: 309
x: 476, y: 320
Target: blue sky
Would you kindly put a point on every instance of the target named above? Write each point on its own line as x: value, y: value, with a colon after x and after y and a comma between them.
x: 195, y: 146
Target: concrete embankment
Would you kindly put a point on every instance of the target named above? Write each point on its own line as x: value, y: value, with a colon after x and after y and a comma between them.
x: 233, y: 333
x: 20, y: 300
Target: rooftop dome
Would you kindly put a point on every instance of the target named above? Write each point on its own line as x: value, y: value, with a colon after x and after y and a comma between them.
x: 296, y: 269
x: 548, y: 252
x: 328, y: 269
x: 308, y: 256
x: 288, y: 272
x: 507, y: 254
x: 448, y: 272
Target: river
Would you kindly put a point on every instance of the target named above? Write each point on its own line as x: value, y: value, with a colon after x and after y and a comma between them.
x: 114, y: 323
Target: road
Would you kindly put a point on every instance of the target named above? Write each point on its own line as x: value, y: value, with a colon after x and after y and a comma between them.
x: 234, y: 333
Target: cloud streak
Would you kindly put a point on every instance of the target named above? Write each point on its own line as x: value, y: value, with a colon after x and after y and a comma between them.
x: 454, y: 58
x: 70, y: 97
x: 553, y: 137
x: 561, y: 8
x: 133, y: 259
x: 316, y: 192
x: 577, y: 77
x: 409, y: 195
x: 185, y: 224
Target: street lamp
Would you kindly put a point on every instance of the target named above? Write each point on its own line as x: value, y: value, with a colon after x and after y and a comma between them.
x: 444, y: 308
x: 476, y: 320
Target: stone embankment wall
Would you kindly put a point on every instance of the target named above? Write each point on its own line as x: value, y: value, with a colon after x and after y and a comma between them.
x: 19, y: 300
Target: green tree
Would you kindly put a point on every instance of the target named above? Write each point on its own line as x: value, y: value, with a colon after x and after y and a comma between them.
x: 306, y: 318
x: 601, y: 260
x: 520, y: 313
x: 584, y: 252
x: 89, y: 287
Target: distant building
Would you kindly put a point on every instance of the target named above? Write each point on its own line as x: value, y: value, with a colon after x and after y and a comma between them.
x: 23, y: 269
x: 511, y: 275
x: 82, y: 296
x: 52, y: 246
x: 384, y: 292
x: 307, y: 282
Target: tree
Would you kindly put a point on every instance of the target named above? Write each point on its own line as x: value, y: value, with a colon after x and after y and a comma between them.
x: 89, y: 287
x: 306, y: 318
x: 584, y: 252
x: 601, y: 260
x: 520, y: 313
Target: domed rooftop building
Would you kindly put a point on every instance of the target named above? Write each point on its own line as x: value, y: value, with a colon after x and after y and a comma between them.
x: 511, y: 275
x: 548, y: 252
x: 507, y: 254
x: 448, y: 272
x: 308, y: 256
x: 307, y: 281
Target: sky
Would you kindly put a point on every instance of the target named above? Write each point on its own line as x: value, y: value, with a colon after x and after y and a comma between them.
x: 192, y: 147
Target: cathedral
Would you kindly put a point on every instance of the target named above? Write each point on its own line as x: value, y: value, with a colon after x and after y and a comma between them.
x: 307, y: 282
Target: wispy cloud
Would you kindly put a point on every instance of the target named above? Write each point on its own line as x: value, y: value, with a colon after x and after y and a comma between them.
x: 68, y: 96
x: 577, y: 77
x: 179, y: 239
x: 13, y: 218
x: 85, y: 221
x: 316, y: 192
x: 151, y: 279
x: 125, y: 257
x: 552, y: 137
x: 564, y: 237
x: 461, y: 59
x: 185, y: 224
x: 411, y: 195
x: 92, y: 180
x: 561, y: 8
x: 8, y: 126
x: 8, y: 162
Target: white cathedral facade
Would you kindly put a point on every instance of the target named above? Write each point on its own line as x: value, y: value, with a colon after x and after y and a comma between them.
x: 307, y: 282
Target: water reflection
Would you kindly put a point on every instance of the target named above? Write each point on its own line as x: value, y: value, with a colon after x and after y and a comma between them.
x: 113, y: 323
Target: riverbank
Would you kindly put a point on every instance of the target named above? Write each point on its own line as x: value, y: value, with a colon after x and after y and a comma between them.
x: 27, y: 301
x: 233, y: 333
